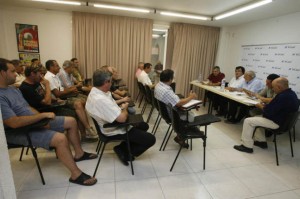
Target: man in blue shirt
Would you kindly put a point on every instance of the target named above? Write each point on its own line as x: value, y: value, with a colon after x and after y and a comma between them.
x: 274, y: 114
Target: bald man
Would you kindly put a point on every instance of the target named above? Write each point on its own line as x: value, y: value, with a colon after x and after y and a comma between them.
x: 274, y: 114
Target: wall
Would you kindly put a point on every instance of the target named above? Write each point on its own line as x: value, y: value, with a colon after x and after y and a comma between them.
x: 279, y: 30
x: 55, y: 32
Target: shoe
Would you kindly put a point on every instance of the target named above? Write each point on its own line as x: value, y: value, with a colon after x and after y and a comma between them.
x: 231, y: 121
x: 242, y: 148
x: 90, y: 133
x: 122, y: 157
x: 263, y: 145
x: 268, y: 133
x: 181, y: 142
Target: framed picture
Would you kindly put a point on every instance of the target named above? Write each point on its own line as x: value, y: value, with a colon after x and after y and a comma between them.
x: 27, y: 38
x: 26, y: 58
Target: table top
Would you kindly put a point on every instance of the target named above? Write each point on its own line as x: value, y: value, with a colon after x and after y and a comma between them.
x: 240, y: 97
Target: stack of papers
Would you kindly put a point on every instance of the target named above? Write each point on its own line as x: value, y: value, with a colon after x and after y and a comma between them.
x: 192, y: 103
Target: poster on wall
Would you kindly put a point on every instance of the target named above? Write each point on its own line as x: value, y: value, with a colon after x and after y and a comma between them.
x: 26, y: 58
x: 27, y: 38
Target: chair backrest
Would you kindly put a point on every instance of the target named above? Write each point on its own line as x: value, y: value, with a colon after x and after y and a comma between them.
x: 290, y: 121
x: 102, y: 137
x: 141, y: 88
x: 148, y: 94
x: 177, y: 123
x: 154, y: 100
x: 163, y: 110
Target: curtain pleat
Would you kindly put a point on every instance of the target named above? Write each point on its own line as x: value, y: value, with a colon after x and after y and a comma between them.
x: 116, y: 41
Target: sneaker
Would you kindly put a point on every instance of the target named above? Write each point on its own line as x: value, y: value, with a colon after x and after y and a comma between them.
x: 242, y: 148
x: 263, y: 145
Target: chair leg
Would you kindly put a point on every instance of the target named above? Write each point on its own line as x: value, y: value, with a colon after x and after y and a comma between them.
x: 191, y: 148
x: 276, y: 153
x: 144, y: 107
x: 162, y: 144
x: 204, y: 152
x: 99, y: 148
x: 291, y: 143
x: 149, y: 116
x: 129, y: 152
x: 158, y: 116
x: 98, y: 144
x: 168, y: 139
x: 137, y: 97
x: 157, y: 126
x: 175, y: 158
x: 27, y: 151
x: 21, y: 155
x: 99, y: 158
x: 142, y: 97
x: 294, y: 132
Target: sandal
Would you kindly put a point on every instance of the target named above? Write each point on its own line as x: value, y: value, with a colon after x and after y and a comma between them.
x: 82, y: 178
x: 86, y: 156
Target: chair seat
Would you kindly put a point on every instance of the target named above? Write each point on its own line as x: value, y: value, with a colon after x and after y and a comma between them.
x: 192, y: 132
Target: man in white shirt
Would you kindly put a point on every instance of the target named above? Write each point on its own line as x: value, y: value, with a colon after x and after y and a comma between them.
x: 144, y: 78
x: 19, y: 72
x: 139, y: 69
x: 104, y: 109
x: 238, y: 80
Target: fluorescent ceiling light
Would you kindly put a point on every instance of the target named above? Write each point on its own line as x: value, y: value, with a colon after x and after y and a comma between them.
x: 173, y: 14
x: 122, y: 8
x: 61, y: 2
x: 155, y: 36
x: 242, y: 9
x: 160, y: 30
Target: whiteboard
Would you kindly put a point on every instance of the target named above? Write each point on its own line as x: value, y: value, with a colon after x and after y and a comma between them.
x: 281, y: 59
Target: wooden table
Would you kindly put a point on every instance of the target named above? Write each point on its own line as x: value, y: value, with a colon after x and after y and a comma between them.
x: 239, y: 97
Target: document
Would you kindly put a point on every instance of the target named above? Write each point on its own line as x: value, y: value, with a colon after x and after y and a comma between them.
x: 192, y: 103
x: 251, y: 101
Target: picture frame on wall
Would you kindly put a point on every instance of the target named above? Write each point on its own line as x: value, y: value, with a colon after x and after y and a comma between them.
x: 26, y: 58
x: 27, y: 38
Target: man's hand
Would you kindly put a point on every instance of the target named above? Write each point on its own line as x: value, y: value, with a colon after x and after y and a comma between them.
x: 124, y: 105
x: 49, y: 115
x: 192, y: 95
x: 73, y: 89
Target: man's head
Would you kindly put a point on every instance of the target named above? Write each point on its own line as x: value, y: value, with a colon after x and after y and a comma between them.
x: 270, y: 79
x: 114, y: 72
x: 7, y: 72
x: 249, y: 75
x: 18, y: 66
x: 52, y: 66
x: 239, y: 71
x: 167, y: 76
x: 75, y: 61
x: 141, y: 65
x: 33, y: 73
x: 216, y: 70
x: 280, y: 84
x: 102, y: 79
x: 68, y: 66
x: 35, y: 61
x: 147, y: 67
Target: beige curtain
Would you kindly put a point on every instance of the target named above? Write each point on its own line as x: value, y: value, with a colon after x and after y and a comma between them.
x: 112, y: 40
x: 192, y: 50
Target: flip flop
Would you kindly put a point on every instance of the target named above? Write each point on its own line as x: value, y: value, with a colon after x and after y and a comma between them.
x: 86, y: 156
x: 82, y: 178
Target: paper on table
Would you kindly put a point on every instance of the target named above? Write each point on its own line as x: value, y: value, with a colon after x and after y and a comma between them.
x: 192, y: 103
x: 251, y: 101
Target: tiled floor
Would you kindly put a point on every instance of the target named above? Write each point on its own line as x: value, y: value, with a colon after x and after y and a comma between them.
x: 229, y: 173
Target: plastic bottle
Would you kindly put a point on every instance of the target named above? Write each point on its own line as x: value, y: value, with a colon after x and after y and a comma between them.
x: 200, y: 78
x: 223, y: 85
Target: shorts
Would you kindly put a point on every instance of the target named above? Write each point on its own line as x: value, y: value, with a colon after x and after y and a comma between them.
x: 39, y: 137
x: 72, y: 100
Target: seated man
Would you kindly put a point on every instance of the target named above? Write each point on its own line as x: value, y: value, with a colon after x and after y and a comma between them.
x: 144, y: 77
x: 17, y: 113
x: 164, y: 93
x: 103, y: 108
x: 274, y: 114
x: 251, y: 84
x: 19, y: 72
x: 58, y: 91
x: 76, y: 72
x: 36, y: 91
x: 139, y: 69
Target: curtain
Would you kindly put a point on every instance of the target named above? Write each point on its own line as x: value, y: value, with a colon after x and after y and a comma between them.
x: 192, y: 50
x: 116, y: 41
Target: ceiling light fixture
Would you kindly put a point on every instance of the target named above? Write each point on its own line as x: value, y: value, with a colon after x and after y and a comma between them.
x: 242, y: 9
x: 173, y: 14
x: 60, y: 2
x: 159, y: 30
x: 155, y: 35
x: 131, y: 9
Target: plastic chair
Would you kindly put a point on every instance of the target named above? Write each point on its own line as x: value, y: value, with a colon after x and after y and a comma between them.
x: 289, y: 123
x: 190, y: 130
x: 149, y: 99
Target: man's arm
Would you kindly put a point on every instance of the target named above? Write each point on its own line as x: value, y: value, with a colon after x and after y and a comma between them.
x: 66, y: 91
x: 47, y: 98
x: 20, y: 121
x: 191, y: 96
x: 124, y: 113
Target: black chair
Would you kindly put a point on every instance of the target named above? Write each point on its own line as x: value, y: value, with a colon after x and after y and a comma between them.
x: 149, y: 100
x: 158, y: 119
x: 162, y: 107
x: 190, y: 130
x: 103, y: 139
x: 26, y: 130
x: 287, y: 126
x: 142, y: 92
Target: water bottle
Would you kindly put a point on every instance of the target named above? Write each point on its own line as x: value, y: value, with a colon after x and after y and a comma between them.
x: 200, y: 78
x: 223, y: 85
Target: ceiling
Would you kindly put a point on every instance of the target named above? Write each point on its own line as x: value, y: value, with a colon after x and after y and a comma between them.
x: 200, y: 7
